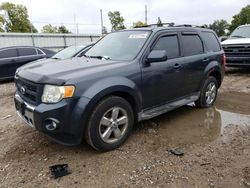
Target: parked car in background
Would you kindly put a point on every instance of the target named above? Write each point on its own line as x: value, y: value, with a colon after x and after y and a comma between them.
x: 126, y: 77
x: 72, y: 51
x: 13, y: 57
x: 237, y: 47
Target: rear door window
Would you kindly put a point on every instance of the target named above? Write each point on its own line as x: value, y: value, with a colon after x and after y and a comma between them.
x: 27, y: 51
x: 211, y: 41
x: 170, y: 44
x: 39, y: 52
x: 192, y: 44
x: 8, y: 53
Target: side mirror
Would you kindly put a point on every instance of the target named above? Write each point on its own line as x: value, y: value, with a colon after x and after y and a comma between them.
x: 157, y: 56
x: 223, y: 38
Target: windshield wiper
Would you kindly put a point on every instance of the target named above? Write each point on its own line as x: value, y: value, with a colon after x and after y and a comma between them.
x: 97, y: 57
x: 55, y: 58
x: 238, y: 36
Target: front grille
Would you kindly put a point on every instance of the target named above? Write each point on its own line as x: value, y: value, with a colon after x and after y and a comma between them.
x: 237, y: 50
x: 28, y: 90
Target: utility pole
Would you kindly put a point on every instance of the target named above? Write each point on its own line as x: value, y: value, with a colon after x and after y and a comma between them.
x: 101, y: 21
x: 146, y: 15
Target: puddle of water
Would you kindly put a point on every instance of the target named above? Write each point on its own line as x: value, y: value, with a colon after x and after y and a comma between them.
x: 229, y: 118
x: 189, y: 125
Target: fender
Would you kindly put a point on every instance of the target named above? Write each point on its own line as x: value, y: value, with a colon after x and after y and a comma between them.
x: 114, y: 84
x: 211, y: 67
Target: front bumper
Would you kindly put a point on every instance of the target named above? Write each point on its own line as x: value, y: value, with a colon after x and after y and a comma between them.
x: 69, y: 114
x: 234, y: 61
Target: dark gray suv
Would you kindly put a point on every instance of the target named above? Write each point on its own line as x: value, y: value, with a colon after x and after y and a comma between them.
x: 126, y: 77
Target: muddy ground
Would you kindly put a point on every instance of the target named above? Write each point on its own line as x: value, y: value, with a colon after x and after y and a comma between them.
x: 216, y: 142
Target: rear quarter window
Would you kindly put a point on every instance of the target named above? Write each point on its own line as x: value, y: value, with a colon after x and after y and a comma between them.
x: 211, y: 41
x: 39, y: 51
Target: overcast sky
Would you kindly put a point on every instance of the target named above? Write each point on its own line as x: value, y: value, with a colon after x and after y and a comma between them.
x: 87, y: 12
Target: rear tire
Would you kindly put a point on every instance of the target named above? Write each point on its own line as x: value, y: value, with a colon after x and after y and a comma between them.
x: 208, y: 93
x: 110, y: 124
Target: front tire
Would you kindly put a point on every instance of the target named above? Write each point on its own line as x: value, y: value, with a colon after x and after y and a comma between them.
x: 110, y: 124
x: 208, y: 93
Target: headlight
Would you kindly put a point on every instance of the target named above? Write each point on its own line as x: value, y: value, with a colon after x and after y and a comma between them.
x: 54, y: 94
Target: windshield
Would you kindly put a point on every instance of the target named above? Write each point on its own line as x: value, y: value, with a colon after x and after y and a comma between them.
x: 68, y: 52
x: 241, y: 32
x: 124, y: 45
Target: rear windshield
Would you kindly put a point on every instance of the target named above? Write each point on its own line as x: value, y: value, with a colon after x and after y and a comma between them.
x: 211, y: 41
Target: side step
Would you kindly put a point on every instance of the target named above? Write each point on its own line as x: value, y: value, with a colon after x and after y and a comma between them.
x: 153, y: 112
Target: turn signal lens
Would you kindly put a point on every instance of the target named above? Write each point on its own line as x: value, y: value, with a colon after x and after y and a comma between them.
x: 69, y: 91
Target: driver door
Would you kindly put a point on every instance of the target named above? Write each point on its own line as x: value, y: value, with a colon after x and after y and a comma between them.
x: 162, y: 82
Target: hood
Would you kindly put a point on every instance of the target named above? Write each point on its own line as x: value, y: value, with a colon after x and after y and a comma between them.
x: 236, y: 41
x: 60, y: 71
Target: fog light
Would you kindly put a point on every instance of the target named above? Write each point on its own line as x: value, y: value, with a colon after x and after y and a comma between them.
x: 51, y: 124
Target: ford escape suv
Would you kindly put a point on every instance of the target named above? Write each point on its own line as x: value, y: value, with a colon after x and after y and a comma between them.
x: 126, y: 77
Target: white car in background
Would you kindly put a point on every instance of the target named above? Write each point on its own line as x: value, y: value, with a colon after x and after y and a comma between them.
x: 237, y: 47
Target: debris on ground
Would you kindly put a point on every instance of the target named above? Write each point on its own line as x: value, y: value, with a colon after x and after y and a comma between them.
x: 177, y: 151
x: 204, y: 164
x: 151, y: 131
x: 6, y: 117
x: 59, y: 170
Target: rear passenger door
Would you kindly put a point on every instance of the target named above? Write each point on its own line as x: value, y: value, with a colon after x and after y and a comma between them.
x: 8, y: 59
x: 195, y: 61
x: 163, y: 81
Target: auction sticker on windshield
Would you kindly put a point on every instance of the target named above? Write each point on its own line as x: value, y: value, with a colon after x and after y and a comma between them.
x: 138, y: 36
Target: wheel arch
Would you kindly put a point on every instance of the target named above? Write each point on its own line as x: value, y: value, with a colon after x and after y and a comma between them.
x: 213, y: 69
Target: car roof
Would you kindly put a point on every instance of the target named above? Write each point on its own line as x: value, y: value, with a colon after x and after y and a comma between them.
x: 156, y: 29
x: 34, y: 47
x: 19, y: 47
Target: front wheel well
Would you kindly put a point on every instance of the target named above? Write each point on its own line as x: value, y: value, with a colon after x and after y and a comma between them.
x: 216, y: 75
x: 125, y: 95
x: 128, y: 98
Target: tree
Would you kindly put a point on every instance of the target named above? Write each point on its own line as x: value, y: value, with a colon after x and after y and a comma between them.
x: 139, y: 24
x: 2, y: 28
x: 18, y: 19
x: 63, y: 29
x: 53, y: 29
x: 116, y: 20
x: 240, y: 19
x: 49, y: 29
x: 219, y: 26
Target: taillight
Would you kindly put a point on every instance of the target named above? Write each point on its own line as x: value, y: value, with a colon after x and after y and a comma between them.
x: 224, y: 59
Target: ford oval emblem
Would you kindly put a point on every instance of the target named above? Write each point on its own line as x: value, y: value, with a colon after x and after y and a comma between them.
x: 22, y: 90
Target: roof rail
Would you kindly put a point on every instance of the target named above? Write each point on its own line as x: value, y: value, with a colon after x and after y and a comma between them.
x: 157, y: 25
x: 169, y: 25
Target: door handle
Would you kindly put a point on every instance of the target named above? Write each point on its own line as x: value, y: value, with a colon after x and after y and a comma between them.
x: 177, y: 66
x: 206, y: 59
